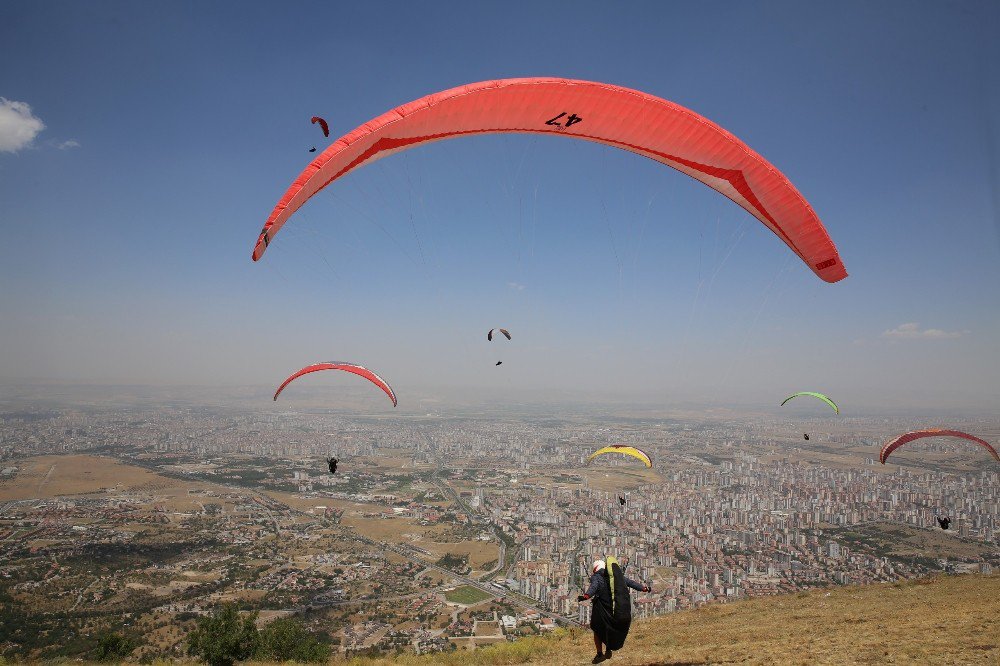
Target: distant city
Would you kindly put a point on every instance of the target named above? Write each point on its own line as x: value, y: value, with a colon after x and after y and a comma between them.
x: 455, y: 529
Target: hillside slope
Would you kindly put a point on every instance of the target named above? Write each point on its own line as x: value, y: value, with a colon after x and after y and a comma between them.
x: 940, y: 620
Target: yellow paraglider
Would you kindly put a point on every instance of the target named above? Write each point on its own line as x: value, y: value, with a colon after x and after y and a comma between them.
x: 624, y: 450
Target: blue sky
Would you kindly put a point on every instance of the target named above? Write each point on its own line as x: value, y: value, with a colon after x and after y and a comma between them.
x: 170, y: 130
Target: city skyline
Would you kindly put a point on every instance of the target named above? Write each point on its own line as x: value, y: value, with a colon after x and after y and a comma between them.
x: 436, y: 531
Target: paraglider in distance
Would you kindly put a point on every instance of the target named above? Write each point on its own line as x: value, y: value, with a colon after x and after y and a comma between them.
x: 506, y: 333
x: 499, y: 362
x: 322, y: 124
x: 624, y: 450
x: 894, y: 444
x: 805, y: 436
x: 332, y: 464
x: 945, y: 522
x: 602, y: 113
x: 346, y: 367
x: 820, y: 396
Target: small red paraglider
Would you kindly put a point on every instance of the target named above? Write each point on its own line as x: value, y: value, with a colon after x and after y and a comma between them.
x: 322, y: 123
x: 894, y: 444
x: 359, y: 370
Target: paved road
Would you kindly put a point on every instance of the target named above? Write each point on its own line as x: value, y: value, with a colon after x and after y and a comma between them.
x: 448, y: 490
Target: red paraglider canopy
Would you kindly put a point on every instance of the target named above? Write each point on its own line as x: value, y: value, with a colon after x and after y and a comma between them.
x: 346, y: 367
x: 894, y: 444
x: 599, y: 112
x: 322, y: 123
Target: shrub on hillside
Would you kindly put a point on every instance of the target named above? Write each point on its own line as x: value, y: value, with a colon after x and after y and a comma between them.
x: 224, y: 638
x: 288, y: 640
x: 114, y: 647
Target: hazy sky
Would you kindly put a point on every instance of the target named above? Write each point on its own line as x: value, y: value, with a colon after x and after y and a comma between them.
x: 142, y: 145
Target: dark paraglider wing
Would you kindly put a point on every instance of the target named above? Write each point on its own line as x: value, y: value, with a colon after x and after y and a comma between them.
x: 322, y: 124
x: 506, y: 333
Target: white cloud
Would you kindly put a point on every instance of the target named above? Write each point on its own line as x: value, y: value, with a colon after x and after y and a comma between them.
x: 18, y: 126
x: 516, y: 286
x: 912, y: 331
x: 66, y: 145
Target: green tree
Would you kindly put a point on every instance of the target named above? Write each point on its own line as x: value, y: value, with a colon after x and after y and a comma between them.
x: 112, y: 646
x: 288, y: 640
x: 224, y: 638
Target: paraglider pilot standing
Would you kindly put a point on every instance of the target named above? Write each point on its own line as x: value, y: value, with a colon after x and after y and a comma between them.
x: 612, y: 612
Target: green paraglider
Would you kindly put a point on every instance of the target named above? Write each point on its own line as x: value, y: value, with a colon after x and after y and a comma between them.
x: 814, y: 395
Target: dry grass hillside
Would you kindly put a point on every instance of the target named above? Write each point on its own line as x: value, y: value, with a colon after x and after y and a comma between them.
x: 941, y: 620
